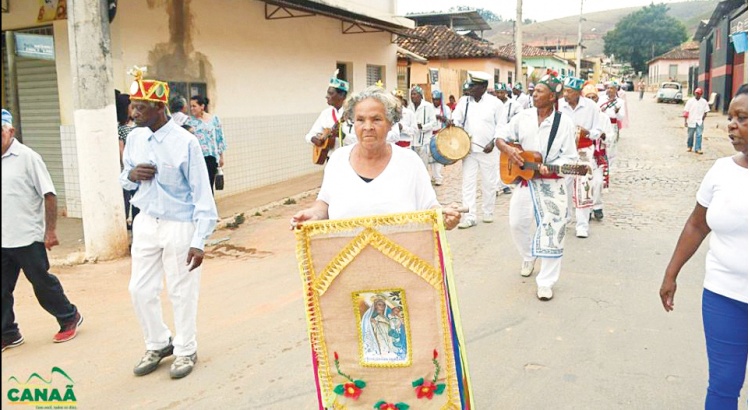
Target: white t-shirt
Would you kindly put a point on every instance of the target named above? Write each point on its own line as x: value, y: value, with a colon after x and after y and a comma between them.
x: 695, y: 109
x: 725, y: 191
x: 403, y: 186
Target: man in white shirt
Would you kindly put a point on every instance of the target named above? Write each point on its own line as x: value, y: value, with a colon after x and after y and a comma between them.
x: 330, y: 122
x: 407, y: 126
x: 585, y: 116
x: 442, y: 117
x: 695, y: 112
x: 523, y: 100
x: 601, y: 172
x: 543, y: 198
x: 614, y: 107
x: 481, y: 116
x: 426, y: 122
x: 511, y: 108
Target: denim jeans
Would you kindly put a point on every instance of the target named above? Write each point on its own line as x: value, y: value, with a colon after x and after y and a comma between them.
x: 697, y: 131
x: 725, y: 327
x: 47, y: 288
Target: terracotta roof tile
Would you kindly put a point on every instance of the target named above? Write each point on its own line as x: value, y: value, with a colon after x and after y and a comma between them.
x: 526, y: 51
x: 442, y: 42
x: 685, y: 51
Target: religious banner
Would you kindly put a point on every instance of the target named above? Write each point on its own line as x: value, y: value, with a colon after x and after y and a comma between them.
x: 50, y: 10
x: 382, y: 313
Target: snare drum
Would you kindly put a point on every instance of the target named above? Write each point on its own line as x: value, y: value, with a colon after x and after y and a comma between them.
x: 450, y: 145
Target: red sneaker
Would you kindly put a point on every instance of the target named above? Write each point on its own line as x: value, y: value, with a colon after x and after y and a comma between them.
x: 68, y: 330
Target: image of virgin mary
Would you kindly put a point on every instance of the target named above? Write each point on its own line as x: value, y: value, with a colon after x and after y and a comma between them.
x: 383, y: 338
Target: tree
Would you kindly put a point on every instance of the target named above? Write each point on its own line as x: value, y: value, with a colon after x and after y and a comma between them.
x: 643, y: 35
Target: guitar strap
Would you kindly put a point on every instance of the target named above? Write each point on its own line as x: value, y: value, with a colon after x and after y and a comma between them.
x: 553, y: 132
x: 336, y: 121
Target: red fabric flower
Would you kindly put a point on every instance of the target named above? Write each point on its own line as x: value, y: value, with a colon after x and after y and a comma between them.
x: 351, y: 390
x: 427, y: 389
x: 434, y: 354
x: 387, y: 406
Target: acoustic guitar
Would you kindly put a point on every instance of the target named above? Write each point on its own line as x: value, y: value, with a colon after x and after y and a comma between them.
x: 320, y: 153
x: 511, y: 173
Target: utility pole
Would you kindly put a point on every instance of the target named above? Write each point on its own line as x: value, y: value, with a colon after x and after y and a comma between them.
x: 519, y: 45
x: 578, y: 46
x: 95, y: 120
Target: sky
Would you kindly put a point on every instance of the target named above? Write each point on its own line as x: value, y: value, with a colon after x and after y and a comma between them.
x: 539, y: 10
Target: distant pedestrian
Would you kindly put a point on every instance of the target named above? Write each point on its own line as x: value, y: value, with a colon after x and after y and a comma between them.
x: 641, y: 89
x: 522, y: 100
x: 442, y: 116
x: 695, y: 113
x: 452, y: 102
x: 722, y: 210
x: 165, y: 163
x: 207, y: 127
x: 426, y: 122
x: 29, y: 230
x: 178, y: 110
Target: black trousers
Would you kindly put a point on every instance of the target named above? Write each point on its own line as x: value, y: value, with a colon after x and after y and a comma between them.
x: 47, y: 288
x: 212, y: 166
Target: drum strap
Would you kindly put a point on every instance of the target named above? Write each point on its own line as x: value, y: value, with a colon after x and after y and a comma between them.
x: 336, y: 121
x: 510, y: 105
x: 553, y: 132
x: 466, y: 112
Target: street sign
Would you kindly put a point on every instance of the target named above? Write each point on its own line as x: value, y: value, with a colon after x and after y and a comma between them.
x: 35, y: 46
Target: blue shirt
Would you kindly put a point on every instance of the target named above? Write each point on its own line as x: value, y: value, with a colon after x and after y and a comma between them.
x: 180, y: 191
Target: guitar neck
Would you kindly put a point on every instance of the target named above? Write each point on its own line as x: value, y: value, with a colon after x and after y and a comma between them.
x: 556, y: 169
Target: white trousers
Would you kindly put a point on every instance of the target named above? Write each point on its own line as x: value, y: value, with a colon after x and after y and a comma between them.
x: 522, y: 226
x: 161, y: 247
x: 598, y: 184
x: 582, y: 214
x: 489, y: 166
x: 436, y: 172
x: 424, y: 153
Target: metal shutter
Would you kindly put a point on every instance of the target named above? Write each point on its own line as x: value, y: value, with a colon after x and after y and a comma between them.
x: 40, y: 115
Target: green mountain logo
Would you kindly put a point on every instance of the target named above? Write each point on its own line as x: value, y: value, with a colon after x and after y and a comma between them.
x: 36, y: 376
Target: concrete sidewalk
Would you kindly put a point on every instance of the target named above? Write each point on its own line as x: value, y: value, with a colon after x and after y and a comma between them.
x: 70, y: 230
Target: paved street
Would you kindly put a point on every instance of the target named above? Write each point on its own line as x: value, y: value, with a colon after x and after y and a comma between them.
x: 603, y: 342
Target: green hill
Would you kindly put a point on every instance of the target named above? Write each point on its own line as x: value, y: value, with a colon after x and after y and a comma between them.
x: 595, y: 26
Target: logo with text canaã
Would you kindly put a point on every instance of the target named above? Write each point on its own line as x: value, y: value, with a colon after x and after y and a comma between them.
x: 56, y: 393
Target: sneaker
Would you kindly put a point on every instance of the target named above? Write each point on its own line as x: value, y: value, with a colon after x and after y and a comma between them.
x: 488, y: 219
x: 581, y: 233
x: 699, y: 152
x: 69, y: 330
x: 150, y: 360
x: 438, y: 183
x: 12, y: 342
x: 544, y: 293
x: 527, y: 268
x: 468, y: 223
x: 182, y: 366
x: 598, y: 214
x: 507, y: 191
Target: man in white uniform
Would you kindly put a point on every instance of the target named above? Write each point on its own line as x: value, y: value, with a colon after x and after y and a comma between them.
x: 426, y: 122
x: 407, y: 125
x: 511, y: 107
x: 442, y: 117
x: 614, y: 107
x: 330, y: 122
x: 523, y: 100
x: 601, y: 172
x: 481, y: 116
x: 585, y: 116
x: 544, y: 197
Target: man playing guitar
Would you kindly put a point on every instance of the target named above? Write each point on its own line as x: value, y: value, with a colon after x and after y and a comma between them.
x: 330, y: 123
x: 553, y: 135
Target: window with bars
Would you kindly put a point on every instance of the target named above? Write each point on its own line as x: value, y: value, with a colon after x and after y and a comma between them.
x: 497, y: 76
x: 375, y: 73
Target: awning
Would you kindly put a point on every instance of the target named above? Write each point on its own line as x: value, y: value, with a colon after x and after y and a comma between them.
x: 353, y: 21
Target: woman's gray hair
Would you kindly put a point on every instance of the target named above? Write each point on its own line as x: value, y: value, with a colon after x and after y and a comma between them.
x: 392, y: 104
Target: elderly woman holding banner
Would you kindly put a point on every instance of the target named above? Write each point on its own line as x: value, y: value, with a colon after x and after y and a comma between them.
x: 373, y: 177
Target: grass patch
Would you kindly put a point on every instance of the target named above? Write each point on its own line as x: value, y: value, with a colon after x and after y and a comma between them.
x: 290, y: 201
x: 238, y: 220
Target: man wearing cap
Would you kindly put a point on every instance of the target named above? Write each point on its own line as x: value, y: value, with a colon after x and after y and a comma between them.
x: 695, y: 112
x: 442, y: 116
x: 29, y: 221
x: 331, y: 118
x: 601, y: 171
x: 585, y: 116
x: 426, y: 122
x: 614, y: 107
x: 481, y: 116
x: 543, y: 198
x: 164, y: 162
x: 523, y: 100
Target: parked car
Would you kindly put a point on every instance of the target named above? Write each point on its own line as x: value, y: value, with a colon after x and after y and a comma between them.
x: 669, y: 92
x: 628, y: 85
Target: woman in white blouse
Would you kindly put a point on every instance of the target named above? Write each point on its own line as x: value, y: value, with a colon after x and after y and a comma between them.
x: 722, y: 209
